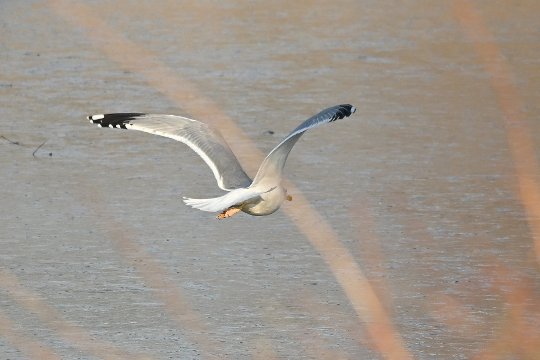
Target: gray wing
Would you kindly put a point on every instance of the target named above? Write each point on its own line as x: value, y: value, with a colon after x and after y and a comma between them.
x: 271, y: 168
x: 206, y: 141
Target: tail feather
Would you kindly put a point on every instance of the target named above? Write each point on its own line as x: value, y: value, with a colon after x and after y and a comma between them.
x: 218, y: 204
x: 210, y: 205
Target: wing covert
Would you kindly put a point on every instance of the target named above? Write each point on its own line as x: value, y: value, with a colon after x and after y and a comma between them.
x: 206, y: 141
x: 271, y: 168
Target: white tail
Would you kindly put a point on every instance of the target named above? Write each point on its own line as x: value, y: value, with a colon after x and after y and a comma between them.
x: 217, y: 204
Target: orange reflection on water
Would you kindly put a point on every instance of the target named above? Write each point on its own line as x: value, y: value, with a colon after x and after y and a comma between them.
x: 520, y: 322
x: 29, y: 346
x: 520, y: 142
x: 76, y: 335
x: 138, y: 59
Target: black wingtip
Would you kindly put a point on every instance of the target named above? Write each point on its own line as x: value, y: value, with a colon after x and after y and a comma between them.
x: 341, y: 111
x: 349, y: 109
x: 117, y: 120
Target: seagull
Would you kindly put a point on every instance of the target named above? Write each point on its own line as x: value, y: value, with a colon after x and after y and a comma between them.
x: 261, y: 196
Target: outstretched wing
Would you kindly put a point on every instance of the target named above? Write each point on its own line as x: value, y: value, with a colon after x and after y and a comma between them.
x: 271, y: 168
x: 206, y: 141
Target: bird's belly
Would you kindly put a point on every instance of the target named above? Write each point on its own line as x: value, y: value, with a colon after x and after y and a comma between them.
x: 266, y: 204
x: 259, y: 209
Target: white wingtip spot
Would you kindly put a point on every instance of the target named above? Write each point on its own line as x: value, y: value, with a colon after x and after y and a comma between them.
x: 353, y: 110
x: 96, y: 117
x: 111, y: 126
x: 99, y: 125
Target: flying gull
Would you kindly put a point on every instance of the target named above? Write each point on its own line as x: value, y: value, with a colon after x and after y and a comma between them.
x: 261, y: 196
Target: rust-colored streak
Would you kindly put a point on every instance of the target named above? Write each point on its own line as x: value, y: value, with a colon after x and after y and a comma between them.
x: 76, y: 335
x: 348, y: 274
x: 155, y: 276
x: 28, y: 346
x: 520, y: 142
x: 136, y: 58
x: 519, y: 334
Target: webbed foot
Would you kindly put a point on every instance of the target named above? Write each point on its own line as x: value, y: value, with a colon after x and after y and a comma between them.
x: 228, y: 213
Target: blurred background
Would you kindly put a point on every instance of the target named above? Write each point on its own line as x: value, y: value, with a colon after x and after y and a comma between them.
x: 414, y: 230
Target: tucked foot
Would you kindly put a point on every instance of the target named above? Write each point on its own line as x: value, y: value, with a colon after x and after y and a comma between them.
x: 289, y: 198
x: 228, y: 213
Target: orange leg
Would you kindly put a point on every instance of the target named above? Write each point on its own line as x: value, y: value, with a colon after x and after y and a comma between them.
x: 228, y: 213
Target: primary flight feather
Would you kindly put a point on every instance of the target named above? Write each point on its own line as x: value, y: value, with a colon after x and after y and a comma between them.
x: 262, y: 196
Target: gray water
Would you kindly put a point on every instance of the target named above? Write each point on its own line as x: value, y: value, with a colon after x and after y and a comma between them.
x: 429, y: 187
